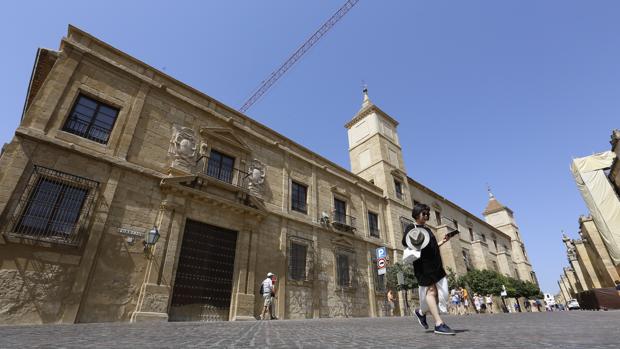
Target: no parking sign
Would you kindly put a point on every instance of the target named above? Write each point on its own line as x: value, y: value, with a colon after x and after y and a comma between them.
x: 381, y: 262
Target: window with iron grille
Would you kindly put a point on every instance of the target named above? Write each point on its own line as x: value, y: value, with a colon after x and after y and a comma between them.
x: 373, y: 224
x: 438, y: 218
x: 91, y: 119
x: 398, y: 187
x: 297, y: 261
x: 54, y: 207
x: 299, y: 194
x: 466, y: 260
x: 220, y: 166
x: 342, y: 270
x: 340, y: 211
x: 404, y: 222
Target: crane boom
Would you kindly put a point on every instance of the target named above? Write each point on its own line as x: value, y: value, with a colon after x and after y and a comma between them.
x: 277, y: 74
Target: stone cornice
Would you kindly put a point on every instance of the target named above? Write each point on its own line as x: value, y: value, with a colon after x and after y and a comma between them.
x: 77, y: 38
x: 367, y: 110
x: 420, y: 186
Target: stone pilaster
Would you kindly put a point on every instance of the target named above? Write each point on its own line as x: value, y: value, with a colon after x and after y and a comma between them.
x: 156, y: 290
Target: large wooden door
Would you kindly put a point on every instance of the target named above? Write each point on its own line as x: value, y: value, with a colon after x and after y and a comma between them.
x: 203, y: 283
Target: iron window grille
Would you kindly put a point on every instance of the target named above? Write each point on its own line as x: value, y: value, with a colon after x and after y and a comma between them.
x: 466, y: 260
x: 54, y: 207
x: 221, y: 166
x: 373, y: 224
x: 342, y: 269
x: 398, y: 187
x: 404, y: 223
x: 299, y: 193
x: 297, y: 261
x: 91, y: 119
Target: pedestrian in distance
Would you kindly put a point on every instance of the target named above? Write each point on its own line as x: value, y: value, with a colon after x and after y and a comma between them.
x: 390, y: 299
x: 268, y: 292
x: 422, y: 249
x: 465, y: 301
x: 477, y: 303
x: 617, y: 282
x: 489, y: 301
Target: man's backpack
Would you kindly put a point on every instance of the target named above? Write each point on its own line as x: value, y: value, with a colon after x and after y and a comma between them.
x: 261, y: 289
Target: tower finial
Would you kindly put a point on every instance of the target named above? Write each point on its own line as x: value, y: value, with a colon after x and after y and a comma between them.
x: 365, y: 91
x: 491, y: 196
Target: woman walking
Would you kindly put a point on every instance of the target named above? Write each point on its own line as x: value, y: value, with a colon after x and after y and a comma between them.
x: 423, y: 250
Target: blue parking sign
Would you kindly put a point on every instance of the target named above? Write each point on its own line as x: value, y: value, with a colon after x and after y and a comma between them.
x: 382, y: 252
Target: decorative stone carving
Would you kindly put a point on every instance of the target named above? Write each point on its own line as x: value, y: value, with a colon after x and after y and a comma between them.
x: 256, y: 177
x: 183, y: 148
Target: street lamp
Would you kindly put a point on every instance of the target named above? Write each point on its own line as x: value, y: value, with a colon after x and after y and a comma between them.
x: 150, y: 239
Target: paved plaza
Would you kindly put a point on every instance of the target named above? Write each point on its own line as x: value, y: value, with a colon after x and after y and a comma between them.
x: 579, y: 329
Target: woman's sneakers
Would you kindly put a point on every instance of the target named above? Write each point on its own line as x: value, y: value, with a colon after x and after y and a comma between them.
x: 444, y: 329
x: 421, y: 319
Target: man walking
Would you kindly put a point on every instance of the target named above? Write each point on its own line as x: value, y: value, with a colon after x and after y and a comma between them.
x: 267, y: 291
x: 423, y: 250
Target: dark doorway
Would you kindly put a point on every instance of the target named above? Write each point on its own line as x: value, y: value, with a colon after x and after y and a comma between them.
x: 203, y: 284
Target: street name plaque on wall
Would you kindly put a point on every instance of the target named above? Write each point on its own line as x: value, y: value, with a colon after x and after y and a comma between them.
x: 130, y: 233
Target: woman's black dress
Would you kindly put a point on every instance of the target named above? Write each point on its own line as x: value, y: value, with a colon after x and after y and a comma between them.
x: 428, y: 269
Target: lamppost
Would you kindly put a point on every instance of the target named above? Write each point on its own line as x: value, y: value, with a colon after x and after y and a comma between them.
x: 400, y: 276
x: 150, y: 239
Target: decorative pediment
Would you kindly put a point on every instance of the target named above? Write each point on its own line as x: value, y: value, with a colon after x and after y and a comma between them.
x: 340, y: 191
x: 344, y: 242
x: 224, y: 135
x: 398, y: 174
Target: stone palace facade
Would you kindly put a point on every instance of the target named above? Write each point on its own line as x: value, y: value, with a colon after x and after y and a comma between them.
x: 109, y: 150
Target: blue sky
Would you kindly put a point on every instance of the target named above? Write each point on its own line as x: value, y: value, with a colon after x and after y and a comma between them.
x: 499, y: 92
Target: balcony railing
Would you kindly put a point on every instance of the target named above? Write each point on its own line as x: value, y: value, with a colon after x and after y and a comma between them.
x: 87, y: 130
x: 344, y: 222
x: 225, y: 174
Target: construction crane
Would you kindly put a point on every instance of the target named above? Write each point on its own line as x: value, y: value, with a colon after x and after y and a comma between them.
x: 277, y: 74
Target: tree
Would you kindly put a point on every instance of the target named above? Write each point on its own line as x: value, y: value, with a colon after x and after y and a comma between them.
x: 484, y: 281
x: 454, y: 281
x: 392, y: 279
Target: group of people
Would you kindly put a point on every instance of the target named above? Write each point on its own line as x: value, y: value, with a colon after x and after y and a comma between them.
x: 459, y: 302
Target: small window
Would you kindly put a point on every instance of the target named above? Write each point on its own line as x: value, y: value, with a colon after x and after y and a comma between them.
x: 495, y: 266
x: 398, y: 187
x: 91, y: 119
x: 471, y: 234
x: 404, y: 222
x: 299, y: 194
x: 438, y: 218
x: 342, y: 266
x: 51, y: 207
x: 483, y: 237
x: 505, y: 247
x: 340, y: 211
x: 297, y: 261
x: 466, y: 260
x: 495, y: 244
x: 373, y: 224
x: 220, y: 166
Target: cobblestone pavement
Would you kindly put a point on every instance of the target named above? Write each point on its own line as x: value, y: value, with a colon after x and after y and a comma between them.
x: 578, y: 329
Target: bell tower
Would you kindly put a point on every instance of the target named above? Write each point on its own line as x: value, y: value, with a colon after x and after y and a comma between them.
x: 502, y: 218
x: 375, y: 152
